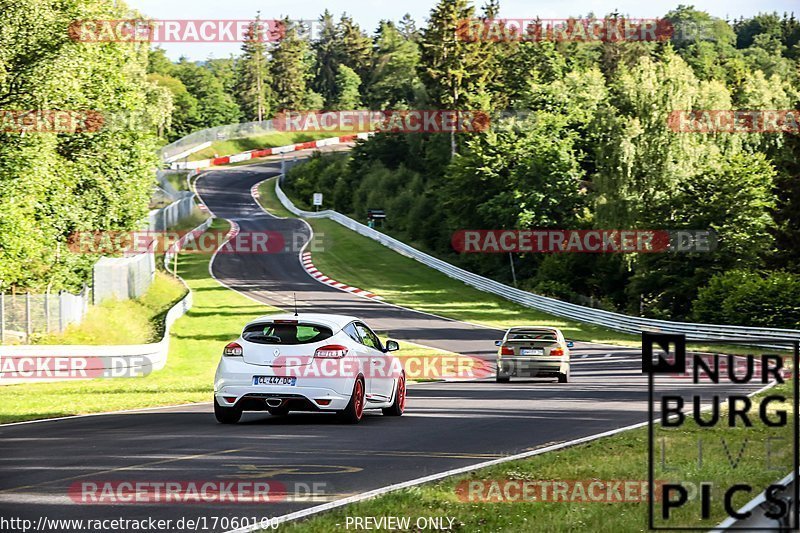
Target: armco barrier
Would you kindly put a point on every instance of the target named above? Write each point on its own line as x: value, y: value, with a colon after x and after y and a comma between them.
x: 610, y: 320
x: 137, y: 358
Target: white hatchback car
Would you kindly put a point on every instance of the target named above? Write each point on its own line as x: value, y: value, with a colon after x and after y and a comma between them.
x: 308, y: 362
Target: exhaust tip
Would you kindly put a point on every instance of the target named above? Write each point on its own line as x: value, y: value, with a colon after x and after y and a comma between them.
x: 274, y: 402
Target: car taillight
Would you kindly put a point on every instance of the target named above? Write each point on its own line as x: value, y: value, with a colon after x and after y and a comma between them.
x: 505, y: 350
x: 557, y: 352
x: 331, y: 351
x: 233, y: 349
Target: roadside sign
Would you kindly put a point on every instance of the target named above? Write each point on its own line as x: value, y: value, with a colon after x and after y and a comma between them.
x: 317, y: 198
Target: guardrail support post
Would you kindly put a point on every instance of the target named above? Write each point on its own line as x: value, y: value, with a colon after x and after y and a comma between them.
x: 60, y: 311
x: 47, y: 310
x: 27, y: 318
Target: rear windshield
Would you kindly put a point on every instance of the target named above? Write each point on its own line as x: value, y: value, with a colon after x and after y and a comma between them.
x: 286, y: 333
x: 532, y: 335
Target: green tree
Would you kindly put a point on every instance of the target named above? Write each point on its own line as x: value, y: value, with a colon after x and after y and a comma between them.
x: 356, y: 47
x: 54, y: 184
x: 215, y: 107
x: 327, y: 49
x: 347, y: 84
x: 393, y: 79
x: 732, y: 198
x: 456, y: 71
x: 252, y: 84
x: 289, y: 69
x: 185, y: 116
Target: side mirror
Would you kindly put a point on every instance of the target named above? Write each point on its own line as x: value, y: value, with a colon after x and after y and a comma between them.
x: 392, y: 346
x: 570, y: 344
x: 498, y: 343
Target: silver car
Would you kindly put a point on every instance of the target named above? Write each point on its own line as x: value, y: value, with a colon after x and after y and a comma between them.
x: 533, y: 351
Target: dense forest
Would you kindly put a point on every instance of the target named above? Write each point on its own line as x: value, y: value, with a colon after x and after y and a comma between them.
x: 583, y: 141
x: 579, y: 139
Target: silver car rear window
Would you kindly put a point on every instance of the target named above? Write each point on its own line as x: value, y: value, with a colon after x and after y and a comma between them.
x: 532, y: 335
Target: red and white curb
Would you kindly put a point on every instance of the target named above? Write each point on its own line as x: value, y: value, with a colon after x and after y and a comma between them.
x: 319, y: 276
x: 253, y: 154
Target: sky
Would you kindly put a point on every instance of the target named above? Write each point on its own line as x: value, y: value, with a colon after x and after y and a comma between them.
x: 369, y: 13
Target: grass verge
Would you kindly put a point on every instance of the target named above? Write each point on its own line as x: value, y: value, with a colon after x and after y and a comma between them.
x: 619, y: 457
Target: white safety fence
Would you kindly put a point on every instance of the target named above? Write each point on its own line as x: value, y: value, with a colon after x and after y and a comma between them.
x: 123, y: 278
x: 170, y: 215
x: 608, y: 319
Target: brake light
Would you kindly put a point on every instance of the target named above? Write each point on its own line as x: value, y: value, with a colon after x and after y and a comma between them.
x: 281, y: 321
x: 557, y: 352
x: 506, y: 350
x: 331, y: 351
x: 233, y: 349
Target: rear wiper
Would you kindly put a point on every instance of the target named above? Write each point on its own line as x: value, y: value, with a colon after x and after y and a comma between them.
x: 268, y: 338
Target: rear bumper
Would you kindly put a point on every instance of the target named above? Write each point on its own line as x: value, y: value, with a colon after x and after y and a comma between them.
x: 531, y: 367
x: 254, y: 398
x: 234, y: 381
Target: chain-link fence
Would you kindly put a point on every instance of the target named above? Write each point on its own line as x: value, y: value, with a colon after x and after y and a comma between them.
x: 23, y: 315
x: 183, y: 147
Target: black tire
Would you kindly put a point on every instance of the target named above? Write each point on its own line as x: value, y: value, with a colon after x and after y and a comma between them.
x: 354, y: 411
x: 503, y: 379
x: 563, y: 378
x: 399, y: 404
x: 279, y: 411
x: 226, y: 415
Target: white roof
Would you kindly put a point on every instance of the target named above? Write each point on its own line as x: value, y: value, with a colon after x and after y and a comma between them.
x: 539, y: 328
x: 333, y: 321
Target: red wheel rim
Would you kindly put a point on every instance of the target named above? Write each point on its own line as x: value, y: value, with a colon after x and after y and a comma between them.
x: 359, y: 399
x: 401, y: 393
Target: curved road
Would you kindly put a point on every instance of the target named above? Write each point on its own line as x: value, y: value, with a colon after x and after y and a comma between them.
x: 447, y: 425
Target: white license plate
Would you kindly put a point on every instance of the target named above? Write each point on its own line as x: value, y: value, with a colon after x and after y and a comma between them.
x: 532, y: 351
x: 274, y: 380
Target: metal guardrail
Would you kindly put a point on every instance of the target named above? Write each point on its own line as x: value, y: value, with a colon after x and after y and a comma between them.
x: 607, y: 319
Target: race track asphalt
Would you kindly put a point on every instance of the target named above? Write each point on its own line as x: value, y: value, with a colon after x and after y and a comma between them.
x: 447, y: 424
